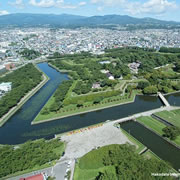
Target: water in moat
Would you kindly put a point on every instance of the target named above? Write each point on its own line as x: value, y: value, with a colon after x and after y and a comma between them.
x: 155, y: 143
x: 18, y: 128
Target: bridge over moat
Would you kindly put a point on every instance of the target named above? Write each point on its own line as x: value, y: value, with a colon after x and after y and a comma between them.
x: 163, y: 99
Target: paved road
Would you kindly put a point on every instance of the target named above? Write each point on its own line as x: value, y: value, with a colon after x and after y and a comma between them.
x: 147, y: 113
x: 59, y: 170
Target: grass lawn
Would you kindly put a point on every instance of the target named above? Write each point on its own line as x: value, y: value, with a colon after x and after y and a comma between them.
x: 156, y: 126
x: 73, y: 110
x: 149, y: 154
x: 90, y: 174
x: 139, y: 145
x: 120, y: 84
x: 69, y: 62
x: 177, y: 141
x: 171, y: 116
x: 152, y: 123
x: 88, y: 166
x: 70, y: 93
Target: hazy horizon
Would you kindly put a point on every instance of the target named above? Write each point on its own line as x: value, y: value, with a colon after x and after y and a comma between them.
x: 159, y: 9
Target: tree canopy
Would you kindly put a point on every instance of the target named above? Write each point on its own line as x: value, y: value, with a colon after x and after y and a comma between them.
x: 23, y: 80
x: 28, y: 155
x: 121, y: 162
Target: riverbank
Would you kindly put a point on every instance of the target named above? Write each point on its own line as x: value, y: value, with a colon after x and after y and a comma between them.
x: 83, y: 110
x: 156, y: 126
x: 11, y: 112
x: 60, y: 70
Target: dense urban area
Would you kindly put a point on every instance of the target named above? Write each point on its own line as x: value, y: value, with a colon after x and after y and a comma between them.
x: 15, y: 43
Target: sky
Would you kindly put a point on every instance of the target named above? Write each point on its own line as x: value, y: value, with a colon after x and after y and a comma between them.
x: 159, y: 9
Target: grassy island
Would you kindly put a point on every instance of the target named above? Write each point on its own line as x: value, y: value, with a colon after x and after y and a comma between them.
x: 114, y: 78
x: 25, y: 82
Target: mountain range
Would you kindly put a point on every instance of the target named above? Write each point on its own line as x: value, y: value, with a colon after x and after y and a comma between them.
x: 66, y: 20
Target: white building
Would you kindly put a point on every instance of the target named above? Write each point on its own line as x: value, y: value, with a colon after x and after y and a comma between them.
x: 5, y: 87
x: 105, y: 62
x: 104, y: 71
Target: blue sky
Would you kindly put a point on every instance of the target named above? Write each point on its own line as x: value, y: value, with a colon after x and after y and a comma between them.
x: 160, y: 9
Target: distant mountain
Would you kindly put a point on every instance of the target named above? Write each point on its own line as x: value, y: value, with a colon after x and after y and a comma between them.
x: 38, y: 19
x: 65, y: 20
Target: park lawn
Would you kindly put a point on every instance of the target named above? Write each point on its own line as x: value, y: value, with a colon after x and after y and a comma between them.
x: 71, y: 63
x: 177, y: 141
x: 152, y: 124
x: 73, y: 110
x: 150, y: 155
x: 139, y: 145
x: 88, y: 166
x: 70, y: 93
x: 137, y: 80
x: 90, y: 174
x: 168, y: 70
x: 156, y: 126
x: 171, y: 116
x: 120, y: 84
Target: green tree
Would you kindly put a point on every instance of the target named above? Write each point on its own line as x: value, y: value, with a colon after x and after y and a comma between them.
x: 171, y: 132
x: 45, y: 111
x: 143, y: 84
x: 80, y: 103
x: 98, y: 100
x: 150, y: 90
x: 177, y: 86
x: 177, y: 67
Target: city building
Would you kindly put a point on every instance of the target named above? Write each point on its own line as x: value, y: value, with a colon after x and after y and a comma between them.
x: 110, y: 76
x: 36, y: 177
x: 5, y: 87
x: 104, y: 62
x: 9, y: 66
x: 96, y: 85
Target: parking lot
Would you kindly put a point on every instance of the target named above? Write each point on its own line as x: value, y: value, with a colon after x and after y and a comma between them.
x: 80, y: 143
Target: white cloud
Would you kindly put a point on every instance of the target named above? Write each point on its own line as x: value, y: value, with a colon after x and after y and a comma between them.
x: 3, y: 12
x: 151, y: 7
x: 17, y: 3
x: 82, y: 3
x: 100, y: 8
x: 68, y: 6
x: 110, y: 2
x: 55, y: 3
x: 42, y: 3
